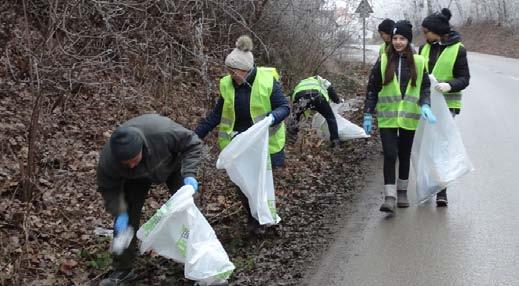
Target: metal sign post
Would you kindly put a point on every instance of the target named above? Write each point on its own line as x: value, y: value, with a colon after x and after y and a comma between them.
x: 364, y: 9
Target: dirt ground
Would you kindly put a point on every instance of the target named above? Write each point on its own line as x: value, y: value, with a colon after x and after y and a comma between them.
x: 491, y: 39
x: 52, y: 240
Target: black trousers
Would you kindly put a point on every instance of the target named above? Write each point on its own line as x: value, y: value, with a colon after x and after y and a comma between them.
x: 316, y: 102
x: 396, y: 144
x: 135, y: 193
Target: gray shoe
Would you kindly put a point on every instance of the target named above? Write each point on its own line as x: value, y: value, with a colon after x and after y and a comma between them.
x: 441, y: 199
x: 389, y: 205
x: 389, y: 199
x: 119, y: 278
x: 402, y: 201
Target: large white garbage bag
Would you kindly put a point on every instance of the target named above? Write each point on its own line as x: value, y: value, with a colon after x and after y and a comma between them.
x: 247, y: 162
x: 346, y: 129
x: 438, y: 155
x: 179, y: 231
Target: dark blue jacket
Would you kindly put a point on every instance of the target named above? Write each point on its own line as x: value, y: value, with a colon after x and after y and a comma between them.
x: 278, y: 102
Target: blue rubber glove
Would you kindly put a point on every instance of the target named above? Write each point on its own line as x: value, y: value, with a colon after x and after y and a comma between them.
x: 192, y: 182
x: 368, y: 123
x: 121, y: 223
x: 428, y: 114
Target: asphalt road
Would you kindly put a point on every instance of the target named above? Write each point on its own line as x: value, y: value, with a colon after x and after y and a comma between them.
x: 475, y: 240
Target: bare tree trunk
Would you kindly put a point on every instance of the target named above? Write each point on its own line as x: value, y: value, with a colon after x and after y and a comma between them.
x: 478, y: 14
x: 460, y: 8
x: 28, y: 173
x: 429, y: 7
x: 499, y: 13
x: 504, y: 12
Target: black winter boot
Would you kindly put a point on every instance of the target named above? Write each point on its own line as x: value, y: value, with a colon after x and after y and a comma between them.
x: 441, y: 198
x: 254, y: 228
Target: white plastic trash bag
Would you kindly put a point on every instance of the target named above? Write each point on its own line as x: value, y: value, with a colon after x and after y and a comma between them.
x: 179, y: 231
x: 438, y: 154
x: 346, y: 129
x: 247, y: 162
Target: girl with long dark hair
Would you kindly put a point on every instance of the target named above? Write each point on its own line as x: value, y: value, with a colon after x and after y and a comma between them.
x: 399, y: 91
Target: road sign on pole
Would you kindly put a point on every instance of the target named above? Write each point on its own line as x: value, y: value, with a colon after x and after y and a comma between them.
x: 364, y: 9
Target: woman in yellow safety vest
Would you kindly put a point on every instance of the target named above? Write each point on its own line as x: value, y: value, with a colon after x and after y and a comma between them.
x: 398, y: 89
x: 248, y: 94
x: 446, y: 59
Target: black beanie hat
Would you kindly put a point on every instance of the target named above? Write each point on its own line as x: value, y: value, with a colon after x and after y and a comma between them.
x: 404, y: 28
x: 386, y: 26
x: 125, y: 143
x: 438, y: 23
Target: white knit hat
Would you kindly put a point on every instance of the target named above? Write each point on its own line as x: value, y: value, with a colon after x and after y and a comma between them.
x: 241, y: 57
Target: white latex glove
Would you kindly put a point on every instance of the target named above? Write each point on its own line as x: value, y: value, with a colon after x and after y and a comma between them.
x: 122, y: 241
x: 324, y: 82
x: 443, y: 87
x: 272, y: 119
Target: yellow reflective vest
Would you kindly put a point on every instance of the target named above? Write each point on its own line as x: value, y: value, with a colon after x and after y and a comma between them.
x: 393, y: 110
x: 259, y: 108
x: 444, y: 70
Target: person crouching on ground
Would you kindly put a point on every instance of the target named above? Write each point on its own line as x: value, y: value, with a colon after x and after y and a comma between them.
x: 314, y: 93
x: 149, y: 149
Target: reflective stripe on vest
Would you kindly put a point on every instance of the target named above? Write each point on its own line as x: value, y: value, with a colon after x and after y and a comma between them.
x: 444, y: 70
x: 259, y: 108
x: 392, y: 99
x: 393, y: 111
x: 311, y: 83
x: 403, y: 114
